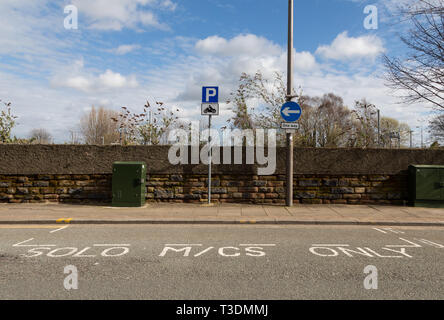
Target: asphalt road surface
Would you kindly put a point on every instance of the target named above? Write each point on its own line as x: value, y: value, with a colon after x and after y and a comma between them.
x: 220, y: 262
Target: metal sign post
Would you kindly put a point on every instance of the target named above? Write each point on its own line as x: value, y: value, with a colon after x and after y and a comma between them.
x: 210, y: 107
x: 210, y: 155
x: 290, y: 144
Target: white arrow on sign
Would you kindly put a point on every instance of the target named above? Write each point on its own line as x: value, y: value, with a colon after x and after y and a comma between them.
x: 287, y: 111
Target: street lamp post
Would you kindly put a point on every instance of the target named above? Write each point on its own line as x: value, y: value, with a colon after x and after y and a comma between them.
x: 399, y: 138
x: 379, y: 128
x: 289, y: 135
x: 422, y: 137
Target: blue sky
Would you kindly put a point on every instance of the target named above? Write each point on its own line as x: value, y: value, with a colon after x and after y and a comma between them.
x: 127, y: 51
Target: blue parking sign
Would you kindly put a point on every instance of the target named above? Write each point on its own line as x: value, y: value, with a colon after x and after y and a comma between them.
x: 210, y: 94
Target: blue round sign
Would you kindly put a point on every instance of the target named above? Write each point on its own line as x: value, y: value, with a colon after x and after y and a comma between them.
x: 291, y: 112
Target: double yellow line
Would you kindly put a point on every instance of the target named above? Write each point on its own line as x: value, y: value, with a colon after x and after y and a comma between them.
x: 247, y: 221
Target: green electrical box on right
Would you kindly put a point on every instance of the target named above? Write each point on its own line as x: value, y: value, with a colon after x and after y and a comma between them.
x: 129, y: 184
x: 426, y: 186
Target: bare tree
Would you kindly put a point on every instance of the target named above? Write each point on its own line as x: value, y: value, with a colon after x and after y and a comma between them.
x: 421, y: 73
x: 40, y: 136
x: 394, y: 132
x: 326, y: 121
x: 269, y: 95
x: 364, y: 133
x: 242, y: 118
x: 156, y: 122
x: 334, y: 121
x: 7, y: 122
x: 97, y: 127
x: 74, y: 136
x: 306, y: 135
x: 150, y: 127
x: 437, y: 128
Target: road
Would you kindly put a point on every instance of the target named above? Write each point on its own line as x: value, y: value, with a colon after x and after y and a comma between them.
x: 220, y: 262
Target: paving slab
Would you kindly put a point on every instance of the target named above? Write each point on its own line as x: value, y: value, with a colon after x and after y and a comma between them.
x: 229, y: 212
x: 254, y: 211
x: 277, y: 212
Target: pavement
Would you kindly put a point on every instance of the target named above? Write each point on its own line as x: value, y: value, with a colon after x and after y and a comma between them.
x: 167, y: 213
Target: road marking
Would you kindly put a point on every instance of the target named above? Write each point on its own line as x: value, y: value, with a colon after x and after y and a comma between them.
x: 70, y: 251
x: 252, y: 250
x: 186, y: 250
x: 330, y: 245
x: 380, y: 255
x: 257, y: 245
x: 66, y: 220
x: 27, y: 227
x: 64, y: 227
x: 75, y: 252
x: 334, y: 250
x: 236, y: 253
x: 112, y: 245
x: 348, y: 252
x: 395, y: 231
x: 203, y: 252
x: 81, y: 255
x: 105, y: 252
x: 386, y: 230
x: 21, y: 244
x: 186, y: 245
x: 433, y: 244
x: 401, y: 251
x: 411, y: 244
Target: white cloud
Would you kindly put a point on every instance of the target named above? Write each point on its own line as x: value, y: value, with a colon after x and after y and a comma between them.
x: 168, y: 4
x: 344, y: 47
x: 247, y: 53
x: 304, y: 61
x: 111, y: 79
x: 127, y: 48
x: 242, y: 45
x: 75, y: 77
x: 78, y: 82
x: 24, y: 31
x: 221, y: 61
x: 118, y: 14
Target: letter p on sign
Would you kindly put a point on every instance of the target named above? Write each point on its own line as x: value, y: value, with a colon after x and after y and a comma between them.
x: 210, y: 94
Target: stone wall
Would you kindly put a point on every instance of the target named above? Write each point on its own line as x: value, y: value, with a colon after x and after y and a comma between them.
x: 313, y: 189
x: 82, y: 174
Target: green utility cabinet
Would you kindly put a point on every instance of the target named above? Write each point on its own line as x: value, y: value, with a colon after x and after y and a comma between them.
x: 129, y: 184
x: 426, y: 186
